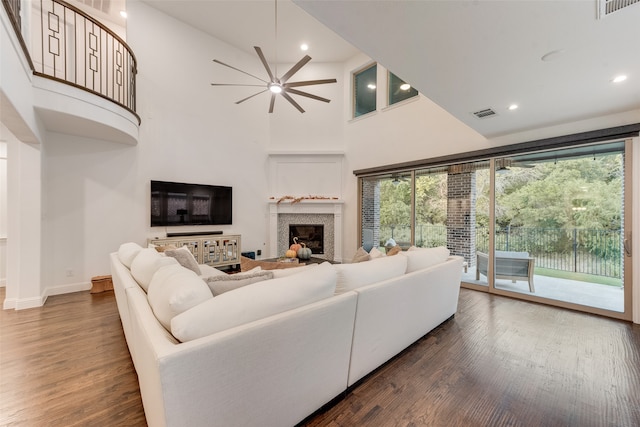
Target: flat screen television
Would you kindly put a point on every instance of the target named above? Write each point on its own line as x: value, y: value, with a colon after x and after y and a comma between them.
x: 175, y: 203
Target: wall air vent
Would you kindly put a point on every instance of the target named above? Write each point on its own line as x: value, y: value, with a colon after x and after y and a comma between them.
x: 483, y: 114
x: 607, y: 7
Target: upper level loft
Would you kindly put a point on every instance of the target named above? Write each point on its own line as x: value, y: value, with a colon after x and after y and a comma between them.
x: 82, y: 73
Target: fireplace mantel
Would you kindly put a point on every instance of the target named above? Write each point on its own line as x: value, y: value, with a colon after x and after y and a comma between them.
x: 307, y: 207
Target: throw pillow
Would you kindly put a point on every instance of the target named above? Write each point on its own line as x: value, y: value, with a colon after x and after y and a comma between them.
x: 420, y: 258
x: 174, y: 290
x: 144, y: 265
x: 162, y: 248
x: 354, y: 276
x: 247, y: 264
x: 127, y: 252
x: 185, y: 258
x: 394, y: 251
x: 255, y: 301
x: 361, y: 255
x: 376, y: 253
x: 208, y: 271
x: 228, y: 282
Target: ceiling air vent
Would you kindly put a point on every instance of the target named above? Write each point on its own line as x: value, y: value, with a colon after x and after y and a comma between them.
x: 607, y: 7
x: 483, y: 114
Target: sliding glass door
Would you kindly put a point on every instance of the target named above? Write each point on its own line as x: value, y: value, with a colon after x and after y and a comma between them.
x: 547, y: 226
x: 559, y: 225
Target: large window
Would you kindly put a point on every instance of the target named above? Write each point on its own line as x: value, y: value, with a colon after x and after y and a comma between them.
x: 546, y: 226
x: 364, y: 91
x: 399, y: 90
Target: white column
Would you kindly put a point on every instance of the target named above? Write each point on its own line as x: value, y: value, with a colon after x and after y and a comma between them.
x: 24, y: 226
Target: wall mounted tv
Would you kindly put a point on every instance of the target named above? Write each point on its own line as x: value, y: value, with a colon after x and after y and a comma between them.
x: 174, y: 203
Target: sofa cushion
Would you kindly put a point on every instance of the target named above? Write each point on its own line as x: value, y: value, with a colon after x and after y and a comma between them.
x: 255, y: 301
x: 144, y: 265
x: 127, y: 252
x: 185, y: 258
x: 361, y: 255
x: 173, y: 290
x: 353, y: 276
x: 420, y: 258
x: 228, y: 282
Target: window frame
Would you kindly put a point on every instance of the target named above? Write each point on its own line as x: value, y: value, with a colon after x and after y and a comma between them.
x: 354, y: 85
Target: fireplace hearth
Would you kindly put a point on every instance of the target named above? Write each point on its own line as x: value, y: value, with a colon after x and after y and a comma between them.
x: 312, y: 235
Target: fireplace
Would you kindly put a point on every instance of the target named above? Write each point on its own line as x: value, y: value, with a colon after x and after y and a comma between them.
x: 325, y: 213
x: 312, y: 235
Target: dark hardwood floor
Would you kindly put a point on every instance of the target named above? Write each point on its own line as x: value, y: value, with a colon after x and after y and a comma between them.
x: 499, y: 362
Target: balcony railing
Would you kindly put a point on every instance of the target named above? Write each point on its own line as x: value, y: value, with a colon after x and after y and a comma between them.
x: 69, y: 46
x: 597, y: 252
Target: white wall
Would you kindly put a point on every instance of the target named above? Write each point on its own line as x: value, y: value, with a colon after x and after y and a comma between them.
x: 417, y: 129
x: 3, y: 213
x: 97, y: 192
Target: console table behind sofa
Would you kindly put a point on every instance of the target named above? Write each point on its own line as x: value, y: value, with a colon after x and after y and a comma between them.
x: 509, y: 265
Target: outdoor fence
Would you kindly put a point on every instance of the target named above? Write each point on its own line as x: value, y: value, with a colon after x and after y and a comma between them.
x: 598, y: 252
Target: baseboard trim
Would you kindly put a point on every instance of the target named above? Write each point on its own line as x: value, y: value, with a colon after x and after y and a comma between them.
x: 67, y: 289
x: 33, y: 302
x: 9, y: 304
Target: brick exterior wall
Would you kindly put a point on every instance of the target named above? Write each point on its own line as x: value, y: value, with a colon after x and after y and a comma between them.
x: 461, y: 215
x: 370, y: 213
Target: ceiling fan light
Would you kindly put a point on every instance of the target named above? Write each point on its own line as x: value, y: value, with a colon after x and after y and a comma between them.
x: 275, y: 88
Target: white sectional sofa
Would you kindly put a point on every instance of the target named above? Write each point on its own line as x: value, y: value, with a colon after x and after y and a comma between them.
x: 272, y: 352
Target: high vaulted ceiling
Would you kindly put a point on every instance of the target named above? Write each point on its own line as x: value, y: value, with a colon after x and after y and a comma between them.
x: 554, y: 59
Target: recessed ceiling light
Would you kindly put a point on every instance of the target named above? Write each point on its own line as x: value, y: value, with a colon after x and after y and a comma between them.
x: 513, y: 107
x: 405, y: 86
x: 618, y: 79
x: 371, y: 86
x: 304, y: 47
x: 123, y: 13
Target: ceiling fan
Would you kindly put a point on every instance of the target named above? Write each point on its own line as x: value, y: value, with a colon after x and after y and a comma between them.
x: 279, y: 85
x: 397, y: 179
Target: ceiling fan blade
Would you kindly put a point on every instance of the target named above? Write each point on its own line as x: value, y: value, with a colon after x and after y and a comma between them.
x: 290, y: 99
x: 264, y: 62
x: 308, y: 95
x: 249, y: 97
x: 237, y: 69
x: 272, y: 103
x: 295, y: 69
x: 310, y: 82
x: 234, y: 84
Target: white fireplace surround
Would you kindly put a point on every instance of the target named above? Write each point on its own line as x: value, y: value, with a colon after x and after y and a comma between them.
x: 306, y: 211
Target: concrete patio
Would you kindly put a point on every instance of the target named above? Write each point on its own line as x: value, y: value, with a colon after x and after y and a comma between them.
x: 584, y: 293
